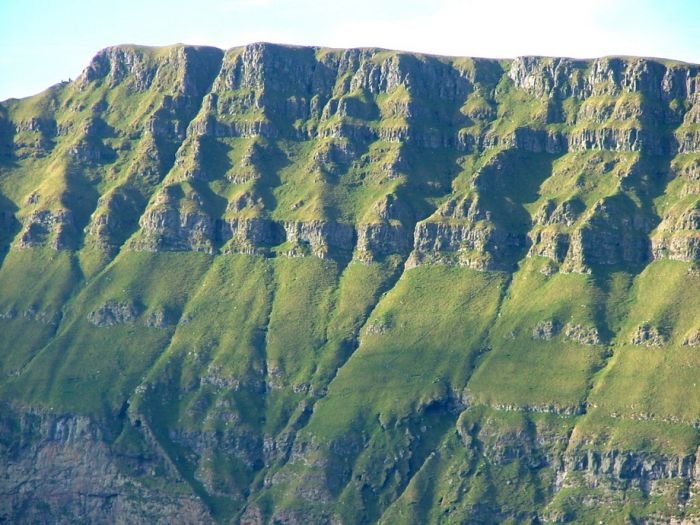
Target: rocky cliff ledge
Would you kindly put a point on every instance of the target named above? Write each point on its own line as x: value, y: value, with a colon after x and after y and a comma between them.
x: 269, y: 145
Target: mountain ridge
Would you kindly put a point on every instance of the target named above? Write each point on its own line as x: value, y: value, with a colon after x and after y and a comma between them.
x: 659, y: 59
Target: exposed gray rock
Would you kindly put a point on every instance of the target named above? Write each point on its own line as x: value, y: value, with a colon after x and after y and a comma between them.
x: 546, y: 77
x: 527, y: 140
x: 323, y: 237
x: 585, y: 335
x: 393, y: 234
x: 463, y: 232
x: 609, y: 235
x: 114, y: 313
x: 639, y: 467
x: 135, y: 67
x: 166, y: 228
x: 160, y: 318
x: 251, y: 236
x: 61, y: 469
x: 118, y: 64
x: 114, y: 220
x: 546, y: 330
x: 692, y: 339
x: 565, y: 214
x: 678, y: 237
x: 563, y: 77
x: 33, y: 313
x: 480, y: 246
x: 688, y: 141
x: 237, y: 444
x: 617, y: 139
x: 9, y: 314
x: 34, y: 137
x: 647, y: 335
x: 549, y: 268
x: 44, y: 227
x: 378, y: 240
x: 677, y: 247
x: 549, y: 243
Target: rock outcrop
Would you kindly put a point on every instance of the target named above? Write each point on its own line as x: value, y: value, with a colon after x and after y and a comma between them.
x: 647, y: 335
x: 55, y: 228
x: 61, y: 468
x: 205, y: 100
x: 114, y: 313
x: 678, y: 237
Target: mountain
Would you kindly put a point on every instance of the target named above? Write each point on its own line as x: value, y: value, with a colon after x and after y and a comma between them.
x: 300, y: 285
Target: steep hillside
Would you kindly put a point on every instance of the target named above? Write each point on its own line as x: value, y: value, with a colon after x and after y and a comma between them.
x: 299, y: 285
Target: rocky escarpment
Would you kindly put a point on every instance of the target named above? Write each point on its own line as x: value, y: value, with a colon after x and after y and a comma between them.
x: 61, y: 468
x: 609, y: 237
x: 56, y: 229
x: 167, y: 228
x: 113, y: 313
x: 251, y: 236
x: 281, y: 284
x: 676, y: 236
x: 204, y: 105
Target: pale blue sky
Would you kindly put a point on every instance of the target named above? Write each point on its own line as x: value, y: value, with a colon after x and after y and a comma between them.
x: 43, y: 41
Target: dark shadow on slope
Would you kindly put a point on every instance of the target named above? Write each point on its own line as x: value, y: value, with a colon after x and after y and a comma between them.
x: 395, y: 456
x: 165, y: 127
x: 506, y: 184
x: 212, y: 158
x: 123, y: 207
x: 212, y: 203
x: 9, y: 225
x: 81, y: 199
x: 85, y: 169
x: 437, y: 93
x: 157, y: 420
x: 291, y: 78
x: 7, y: 136
x: 270, y: 161
x: 428, y: 178
x: 618, y: 240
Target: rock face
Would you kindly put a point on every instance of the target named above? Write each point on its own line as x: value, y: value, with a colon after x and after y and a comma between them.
x: 168, y: 229
x: 646, y: 335
x: 585, y: 335
x: 263, y: 92
x: 54, y: 228
x: 113, y: 313
x: 678, y: 236
x: 160, y: 319
x: 692, y: 339
x: 546, y: 329
x: 322, y: 237
x: 63, y: 470
x: 280, y: 284
x: 378, y: 240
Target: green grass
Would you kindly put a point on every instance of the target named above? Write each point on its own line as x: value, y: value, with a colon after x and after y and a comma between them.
x: 418, y: 345
x: 524, y: 372
x: 94, y: 369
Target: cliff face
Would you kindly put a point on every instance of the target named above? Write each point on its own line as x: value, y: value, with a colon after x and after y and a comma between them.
x: 61, y: 470
x: 238, y: 117
x: 292, y: 285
